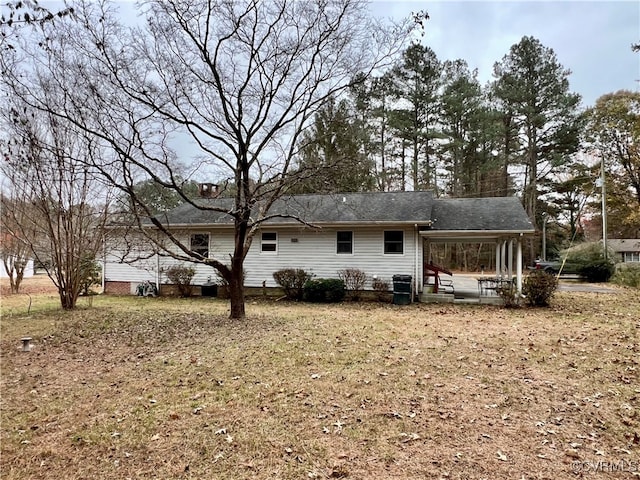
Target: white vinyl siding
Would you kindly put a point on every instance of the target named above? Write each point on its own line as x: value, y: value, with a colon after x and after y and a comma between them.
x: 315, y: 251
x: 135, y: 272
x: 311, y: 250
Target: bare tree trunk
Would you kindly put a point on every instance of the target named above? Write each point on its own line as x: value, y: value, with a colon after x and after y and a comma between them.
x: 236, y: 291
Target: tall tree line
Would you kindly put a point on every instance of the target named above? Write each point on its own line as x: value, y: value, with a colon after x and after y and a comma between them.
x: 427, y: 124
x: 430, y: 124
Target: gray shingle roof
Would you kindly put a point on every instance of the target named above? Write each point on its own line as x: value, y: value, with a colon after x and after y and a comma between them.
x: 624, y: 244
x: 494, y: 213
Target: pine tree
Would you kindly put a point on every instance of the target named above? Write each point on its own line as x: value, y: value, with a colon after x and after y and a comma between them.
x: 533, y: 89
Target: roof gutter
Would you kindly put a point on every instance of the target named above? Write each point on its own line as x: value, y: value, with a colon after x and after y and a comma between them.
x: 272, y: 224
x: 492, y: 234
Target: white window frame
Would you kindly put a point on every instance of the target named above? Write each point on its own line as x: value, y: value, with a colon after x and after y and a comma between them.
x: 191, y: 246
x: 269, y: 242
x: 384, y: 242
x: 338, y: 242
x: 631, y: 257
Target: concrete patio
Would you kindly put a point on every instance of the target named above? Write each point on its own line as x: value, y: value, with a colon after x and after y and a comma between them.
x: 466, y: 290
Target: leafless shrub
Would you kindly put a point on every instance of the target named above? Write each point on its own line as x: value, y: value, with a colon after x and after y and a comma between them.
x: 354, y: 280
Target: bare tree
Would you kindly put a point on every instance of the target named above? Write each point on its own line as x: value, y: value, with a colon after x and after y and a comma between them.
x: 58, y: 204
x: 16, y: 15
x: 236, y: 80
x: 14, y: 250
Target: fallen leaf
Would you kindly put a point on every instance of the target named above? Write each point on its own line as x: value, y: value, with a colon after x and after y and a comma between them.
x: 572, y: 453
x: 409, y: 437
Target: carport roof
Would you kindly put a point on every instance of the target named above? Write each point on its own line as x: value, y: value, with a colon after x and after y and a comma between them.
x: 492, y: 213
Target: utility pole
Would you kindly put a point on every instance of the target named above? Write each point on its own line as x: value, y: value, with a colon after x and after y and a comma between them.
x: 604, y: 207
x: 544, y: 236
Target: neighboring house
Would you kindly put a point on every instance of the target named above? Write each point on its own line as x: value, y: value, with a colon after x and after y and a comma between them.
x: 626, y: 249
x: 28, y: 271
x: 383, y: 234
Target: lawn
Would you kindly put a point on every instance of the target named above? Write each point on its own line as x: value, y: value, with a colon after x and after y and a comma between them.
x: 140, y: 388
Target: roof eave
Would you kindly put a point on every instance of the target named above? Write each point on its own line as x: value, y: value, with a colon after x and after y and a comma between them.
x: 271, y: 224
x: 476, y: 234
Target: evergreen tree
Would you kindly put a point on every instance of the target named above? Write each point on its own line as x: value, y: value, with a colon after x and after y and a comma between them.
x: 533, y: 89
x: 332, y: 149
x: 417, y: 80
x: 469, y: 133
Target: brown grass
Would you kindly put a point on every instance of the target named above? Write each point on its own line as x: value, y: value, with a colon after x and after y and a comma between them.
x: 164, y: 388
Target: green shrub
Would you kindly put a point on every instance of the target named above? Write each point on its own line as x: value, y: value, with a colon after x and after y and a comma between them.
x: 627, y: 275
x: 181, y: 276
x: 538, y: 288
x: 292, y: 281
x: 354, y: 280
x: 324, y: 290
x: 90, y: 274
x: 598, y: 270
x: 591, y: 262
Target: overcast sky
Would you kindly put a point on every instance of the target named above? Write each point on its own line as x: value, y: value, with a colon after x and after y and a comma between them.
x: 591, y: 38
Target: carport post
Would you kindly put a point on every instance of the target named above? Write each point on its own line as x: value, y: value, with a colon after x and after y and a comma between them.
x: 519, y: 266
x: 510, y: 260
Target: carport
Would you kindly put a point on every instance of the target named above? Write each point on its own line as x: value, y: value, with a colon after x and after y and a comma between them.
x: 500, y: 221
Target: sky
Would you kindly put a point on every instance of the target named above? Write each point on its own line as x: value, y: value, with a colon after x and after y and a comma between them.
x: 591, y: 38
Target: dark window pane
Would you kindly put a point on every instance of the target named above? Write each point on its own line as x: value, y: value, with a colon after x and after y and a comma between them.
x: 269, y: 236
x: 269, y: 242
x: 200, y: 243
x: 344, y: 242
x: 394, y: 242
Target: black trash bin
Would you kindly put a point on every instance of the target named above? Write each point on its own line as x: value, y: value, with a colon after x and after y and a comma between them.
x: 402, y: 289
x: 209, y: 289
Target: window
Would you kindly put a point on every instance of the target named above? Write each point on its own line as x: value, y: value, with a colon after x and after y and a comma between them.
x: 200, y: 244
x: 344, y: 242
x: 631, y: 257
x: 269, y: 242
x: 394, y: 242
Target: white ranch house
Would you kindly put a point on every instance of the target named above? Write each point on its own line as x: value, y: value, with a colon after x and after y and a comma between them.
x: 383, y: 234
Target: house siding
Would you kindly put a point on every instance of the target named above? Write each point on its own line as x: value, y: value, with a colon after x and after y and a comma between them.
x: 136, y: 272
x: 311, y: 250
x: 315, y: 252
x: 28, y: 270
